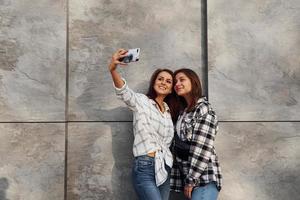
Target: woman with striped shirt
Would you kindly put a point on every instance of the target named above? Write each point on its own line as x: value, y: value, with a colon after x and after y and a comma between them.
x: 152, y: 128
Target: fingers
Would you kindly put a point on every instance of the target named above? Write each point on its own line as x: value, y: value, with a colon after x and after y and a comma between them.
x: 185, y: 193
x: 119, y: 54
x: 115, y: 60
x: 188, y: 191
x: 121, y: 63
x: 122, y: 51
x: 123, y: 55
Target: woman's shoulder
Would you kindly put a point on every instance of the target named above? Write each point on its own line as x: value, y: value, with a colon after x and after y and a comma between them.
x: 144, y: 99
x: 141, y: 95
x: 203, y: 108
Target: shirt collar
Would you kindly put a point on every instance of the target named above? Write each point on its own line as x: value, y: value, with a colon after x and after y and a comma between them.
x: 164, y: 103
x: 201, y: 99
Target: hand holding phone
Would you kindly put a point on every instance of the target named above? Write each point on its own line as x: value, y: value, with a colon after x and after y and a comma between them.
x: 133, y: 55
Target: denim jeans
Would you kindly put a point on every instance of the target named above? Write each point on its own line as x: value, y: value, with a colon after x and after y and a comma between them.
x: 143, y: 178
x: 207, y: 192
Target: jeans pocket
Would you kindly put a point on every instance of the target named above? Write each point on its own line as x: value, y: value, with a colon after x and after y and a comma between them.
x: 145, y: 165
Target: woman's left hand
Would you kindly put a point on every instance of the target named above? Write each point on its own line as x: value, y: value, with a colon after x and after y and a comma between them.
x: 188, y: 191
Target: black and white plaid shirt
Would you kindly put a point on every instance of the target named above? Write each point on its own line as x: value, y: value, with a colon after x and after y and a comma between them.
x: 153, y: 130
x: 200, y: 127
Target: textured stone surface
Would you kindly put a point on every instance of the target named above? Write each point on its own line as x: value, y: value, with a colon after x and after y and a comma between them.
x: 254, y: 61
x: 259, y: 160
x: 32, y: 161
x: 168, y: 33
x: 32, y: 60
x: 99, y: 161
x: 253, y: 75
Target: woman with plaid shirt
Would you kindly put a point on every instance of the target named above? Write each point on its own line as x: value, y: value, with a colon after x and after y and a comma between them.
x: 196, y: 169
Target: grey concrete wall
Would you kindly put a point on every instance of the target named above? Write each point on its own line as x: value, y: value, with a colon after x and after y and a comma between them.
x: 253, y: 82
x: 254, y: 63
x: 260, y: 160
x: 32, y: 89
x: 100, y: 159
x: 32, y: 60
x: 32, y: 161
x: 168, y: 33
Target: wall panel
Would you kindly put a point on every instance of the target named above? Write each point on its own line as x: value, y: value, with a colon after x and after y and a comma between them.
x: 253, y: 49
x: 259, y: 160
x: 32, y: 60
x: 32, y: 161
x: 99, y: 161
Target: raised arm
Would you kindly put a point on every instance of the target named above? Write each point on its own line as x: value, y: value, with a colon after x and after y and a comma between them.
x: 116, y: 77
x: 122, y: 90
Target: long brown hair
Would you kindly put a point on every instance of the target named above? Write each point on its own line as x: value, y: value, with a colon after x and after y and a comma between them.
x: 170, y: 99
x: 196, y: 91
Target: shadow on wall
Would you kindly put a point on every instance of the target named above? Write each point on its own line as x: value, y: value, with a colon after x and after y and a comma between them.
x: 3, y: 187
x: 88, y: 102
x: 122, y: 141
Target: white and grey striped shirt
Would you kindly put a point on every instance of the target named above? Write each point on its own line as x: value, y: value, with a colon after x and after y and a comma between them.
x: 153, y: 130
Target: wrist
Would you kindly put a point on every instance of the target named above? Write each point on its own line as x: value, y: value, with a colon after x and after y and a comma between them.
x: 112, y: 67
x: 189, y: 185
x: 189, y: 181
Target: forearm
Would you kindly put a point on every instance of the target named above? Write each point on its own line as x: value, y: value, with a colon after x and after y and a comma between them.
x: 116, y: 77
x: 112, y: 67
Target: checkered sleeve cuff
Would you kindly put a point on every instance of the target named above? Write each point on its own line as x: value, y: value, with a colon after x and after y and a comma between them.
x: 189, y: 181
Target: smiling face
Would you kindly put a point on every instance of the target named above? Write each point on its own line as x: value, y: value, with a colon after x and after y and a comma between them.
x: 163, y: 84
x: 183, y: 85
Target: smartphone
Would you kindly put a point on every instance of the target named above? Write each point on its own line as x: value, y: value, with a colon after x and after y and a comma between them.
x: 133, y: 55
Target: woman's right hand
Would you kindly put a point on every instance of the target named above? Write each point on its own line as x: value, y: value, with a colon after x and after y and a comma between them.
x: 115, y: 59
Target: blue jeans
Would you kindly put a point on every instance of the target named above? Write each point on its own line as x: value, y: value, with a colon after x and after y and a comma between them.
x: 207, y: 192
x: 143, y: 178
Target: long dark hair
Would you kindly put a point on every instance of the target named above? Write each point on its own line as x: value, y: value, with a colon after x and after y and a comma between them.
x: 170, y: 99
x: 196, y: 91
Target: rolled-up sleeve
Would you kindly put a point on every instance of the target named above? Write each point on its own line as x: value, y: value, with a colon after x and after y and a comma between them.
x: 128, y: 96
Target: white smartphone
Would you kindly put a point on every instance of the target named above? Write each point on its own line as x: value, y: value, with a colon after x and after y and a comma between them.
x: 133, y: 55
